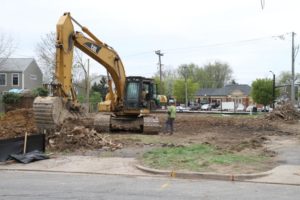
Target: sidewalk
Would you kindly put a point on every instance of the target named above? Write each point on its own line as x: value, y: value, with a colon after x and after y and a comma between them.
x: 80, y: 164
x: 287, y: 173
x: 284, y: 174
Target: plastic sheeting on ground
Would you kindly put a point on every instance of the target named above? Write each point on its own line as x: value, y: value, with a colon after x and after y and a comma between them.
x: 29, y: 157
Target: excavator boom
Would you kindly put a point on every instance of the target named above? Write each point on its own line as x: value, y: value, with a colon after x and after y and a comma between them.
x: 128, y: 106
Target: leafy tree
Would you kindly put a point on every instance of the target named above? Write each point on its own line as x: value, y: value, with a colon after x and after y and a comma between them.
x: 285, y: 77
x: 217, y: 73
x: 169, y: 76
x: 101, y: 87
x: 261, y: 91
x: 187, y: 70
x: 179, y: 89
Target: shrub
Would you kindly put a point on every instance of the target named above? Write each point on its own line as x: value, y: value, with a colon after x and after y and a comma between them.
x: 11, y: 98
x: 40, y: 92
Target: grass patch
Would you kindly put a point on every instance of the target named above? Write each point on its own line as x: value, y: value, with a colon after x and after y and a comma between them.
x: 198, y: 157
x: 1, y: 115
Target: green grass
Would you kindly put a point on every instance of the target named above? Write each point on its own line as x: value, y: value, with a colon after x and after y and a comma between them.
x: 1, y: 115
x: 196, y: 158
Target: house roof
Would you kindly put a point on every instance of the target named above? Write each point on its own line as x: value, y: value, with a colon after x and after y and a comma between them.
x: 226, y: 90
x: 14, y: 64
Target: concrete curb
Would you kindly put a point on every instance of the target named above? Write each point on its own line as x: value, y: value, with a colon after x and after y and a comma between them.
x: 199, y: 175
x: 78, y: 172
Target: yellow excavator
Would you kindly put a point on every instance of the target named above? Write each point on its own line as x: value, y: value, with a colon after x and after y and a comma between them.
x: 128, y: 104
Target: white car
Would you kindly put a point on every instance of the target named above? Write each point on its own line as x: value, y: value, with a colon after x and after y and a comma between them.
x: 205, y: 107
x: 240, y: 107
x: 249, y: 108
x: 181, y: 109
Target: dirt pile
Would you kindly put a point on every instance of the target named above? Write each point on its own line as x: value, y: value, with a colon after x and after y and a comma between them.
x: 16, y: 123
x: 285, y: 112
x: 73, y: 136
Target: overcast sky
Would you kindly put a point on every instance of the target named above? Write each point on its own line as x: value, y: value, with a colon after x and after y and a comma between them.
x: 238, y: 32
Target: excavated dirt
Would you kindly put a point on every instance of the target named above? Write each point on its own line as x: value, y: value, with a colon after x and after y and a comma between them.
x: 16, y: 123
x: 231, y: 133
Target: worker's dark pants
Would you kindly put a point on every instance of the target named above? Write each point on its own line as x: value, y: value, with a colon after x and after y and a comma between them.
x: 170, y: 125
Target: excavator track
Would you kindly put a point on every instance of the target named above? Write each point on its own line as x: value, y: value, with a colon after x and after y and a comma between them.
x: 144, y: 124
x: 151, y: 125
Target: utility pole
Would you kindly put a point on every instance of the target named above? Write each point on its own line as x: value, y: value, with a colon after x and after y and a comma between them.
x: 273, y: 91
x: 185, y: 80
x: 293, y: 71
x: 88, y: 85
x: 158, y: 52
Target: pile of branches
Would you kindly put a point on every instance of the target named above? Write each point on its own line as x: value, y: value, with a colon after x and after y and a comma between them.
x: 80, y: 137
x: 285, y: 112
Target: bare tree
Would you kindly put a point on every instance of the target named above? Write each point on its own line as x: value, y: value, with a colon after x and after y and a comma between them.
x: 46, y: 53
x: 45, y: 50
x: 7, y: 47
x: 80, y: 73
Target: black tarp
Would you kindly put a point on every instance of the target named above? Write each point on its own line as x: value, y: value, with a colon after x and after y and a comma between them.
x: 29, y: 157
x: 16, y: 145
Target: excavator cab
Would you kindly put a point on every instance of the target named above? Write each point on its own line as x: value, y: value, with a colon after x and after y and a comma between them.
x: 139, y: 94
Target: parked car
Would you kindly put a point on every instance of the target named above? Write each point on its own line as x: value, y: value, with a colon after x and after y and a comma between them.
x: 195, y: 107
x: 266, y: 109
x: 206, y: 107
x: 252, y: 108
x: 240, y: 107
x: 214, y: 105
x: 182, y: 109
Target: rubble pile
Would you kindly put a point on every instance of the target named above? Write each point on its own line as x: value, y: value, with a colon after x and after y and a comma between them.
x: 285, y: 112
x: 16, y: 123
x: 79, y: 137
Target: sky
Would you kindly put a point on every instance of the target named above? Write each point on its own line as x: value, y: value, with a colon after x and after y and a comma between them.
x: 252, y: 39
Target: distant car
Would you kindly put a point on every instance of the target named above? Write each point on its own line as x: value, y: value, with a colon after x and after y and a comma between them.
x: 266, y: 109
x: 240, y: 107
x: 181, y: 109
x: 214, y: 105
x: 251, y: 108
x: 195, y: 107
x: 206, y: 107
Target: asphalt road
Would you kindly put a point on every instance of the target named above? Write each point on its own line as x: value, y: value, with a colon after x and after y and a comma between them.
x: 39, y: 185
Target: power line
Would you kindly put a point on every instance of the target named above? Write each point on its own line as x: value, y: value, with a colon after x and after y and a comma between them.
x: 281, y: 37
x: 228, y: 43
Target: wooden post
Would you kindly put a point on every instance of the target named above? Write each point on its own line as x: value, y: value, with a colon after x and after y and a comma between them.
x: 25, y: 143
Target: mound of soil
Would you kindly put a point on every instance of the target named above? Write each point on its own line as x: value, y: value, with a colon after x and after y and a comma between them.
x: 16, y: 123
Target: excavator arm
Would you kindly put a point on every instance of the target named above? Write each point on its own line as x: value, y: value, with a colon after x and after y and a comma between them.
x: 95, y: 48
x: 130, y: 109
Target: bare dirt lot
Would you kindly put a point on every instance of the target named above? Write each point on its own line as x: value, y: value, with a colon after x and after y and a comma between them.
x: 236, y: 134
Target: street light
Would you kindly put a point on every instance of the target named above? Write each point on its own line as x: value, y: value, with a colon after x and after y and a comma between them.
x: 273, y: 93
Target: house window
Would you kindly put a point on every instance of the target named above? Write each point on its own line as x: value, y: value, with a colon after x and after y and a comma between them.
x: 3, y: 79
x: 33, y: 77
x: 15, y: 79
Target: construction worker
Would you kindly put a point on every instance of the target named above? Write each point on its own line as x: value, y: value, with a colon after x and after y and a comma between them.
x: 144, y: 97
x: 171, y: 118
